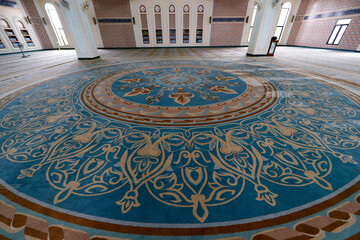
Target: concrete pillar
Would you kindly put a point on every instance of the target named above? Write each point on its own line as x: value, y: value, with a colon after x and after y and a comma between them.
x: 264, y: 26
x: 78, y: 23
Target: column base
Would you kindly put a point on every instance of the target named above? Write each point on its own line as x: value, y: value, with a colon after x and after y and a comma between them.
x: 257, y: 55
x: 90, y: 58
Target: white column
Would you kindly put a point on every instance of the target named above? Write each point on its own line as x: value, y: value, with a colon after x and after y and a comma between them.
x: 264, y: 26
x: 78, y: 23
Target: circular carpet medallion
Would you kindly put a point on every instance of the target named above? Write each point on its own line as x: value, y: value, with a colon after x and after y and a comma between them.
x: 181, y: 95
x: 178, y: 147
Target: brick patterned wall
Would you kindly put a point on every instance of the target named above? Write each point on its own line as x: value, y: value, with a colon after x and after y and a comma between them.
x: 303, y: 7
x: 172, y: 20
x: 318, y: 6
x: 158, y: 21
x: 316, y: 32
x: 112, y: 8
x: 38, y: 26
x: 143, y: 18
x: 228, y: 33
x: 115, y: 35
x: 200, y: 21
x: 186, y: 20
x: 229, y: 8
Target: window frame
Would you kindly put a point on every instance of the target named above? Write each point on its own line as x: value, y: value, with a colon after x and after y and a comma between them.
x: 199, y: 32
x: 10, y: 33
x: 159, y: 34
x: 252, y: 22
x: 172, y: 31
x: 339, y: 30
x: 3, y: 44
x: 61, y: 38
x: 25, y: 34
x: 186, y: 30
x: 145, y: 32
x: 285, y: 21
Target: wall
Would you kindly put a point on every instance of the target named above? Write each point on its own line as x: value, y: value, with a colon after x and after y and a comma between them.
x: 39, y: 7
x: 191, y: 20
x: 37, y: 23
x: 295, y: 4
x: 316, y: 19
x: 288, y: 25
x: 228, y: 22
x: 114, y: 19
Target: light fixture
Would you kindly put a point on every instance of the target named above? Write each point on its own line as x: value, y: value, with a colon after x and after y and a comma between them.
x: 276, y: 2
x: 28, y: 19
x: 64, y: 3
x: 293, y: 18
x: 84, y: 5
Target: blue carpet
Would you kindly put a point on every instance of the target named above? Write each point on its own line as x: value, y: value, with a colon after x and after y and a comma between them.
x: 179, y: 145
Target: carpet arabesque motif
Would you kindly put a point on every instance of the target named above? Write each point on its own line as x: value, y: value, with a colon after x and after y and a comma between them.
x: 180, y: 144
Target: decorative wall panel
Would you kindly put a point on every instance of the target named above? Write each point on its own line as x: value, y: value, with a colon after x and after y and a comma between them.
x: 173, y: 23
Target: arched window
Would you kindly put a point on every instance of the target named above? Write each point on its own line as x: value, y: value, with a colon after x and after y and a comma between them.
x: 158, y: 28
x: 144, y: 25
x: 10, y: 33
x: 284, y: 14
x: 200, y: 24
x: 25, y: 34
x: 252, y: 22
x: 56, y: 24
x: 172, y: 24
x: 20, y: 25
x: 2, y: 45
x: 186, y: 23
x: 4, y: 24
